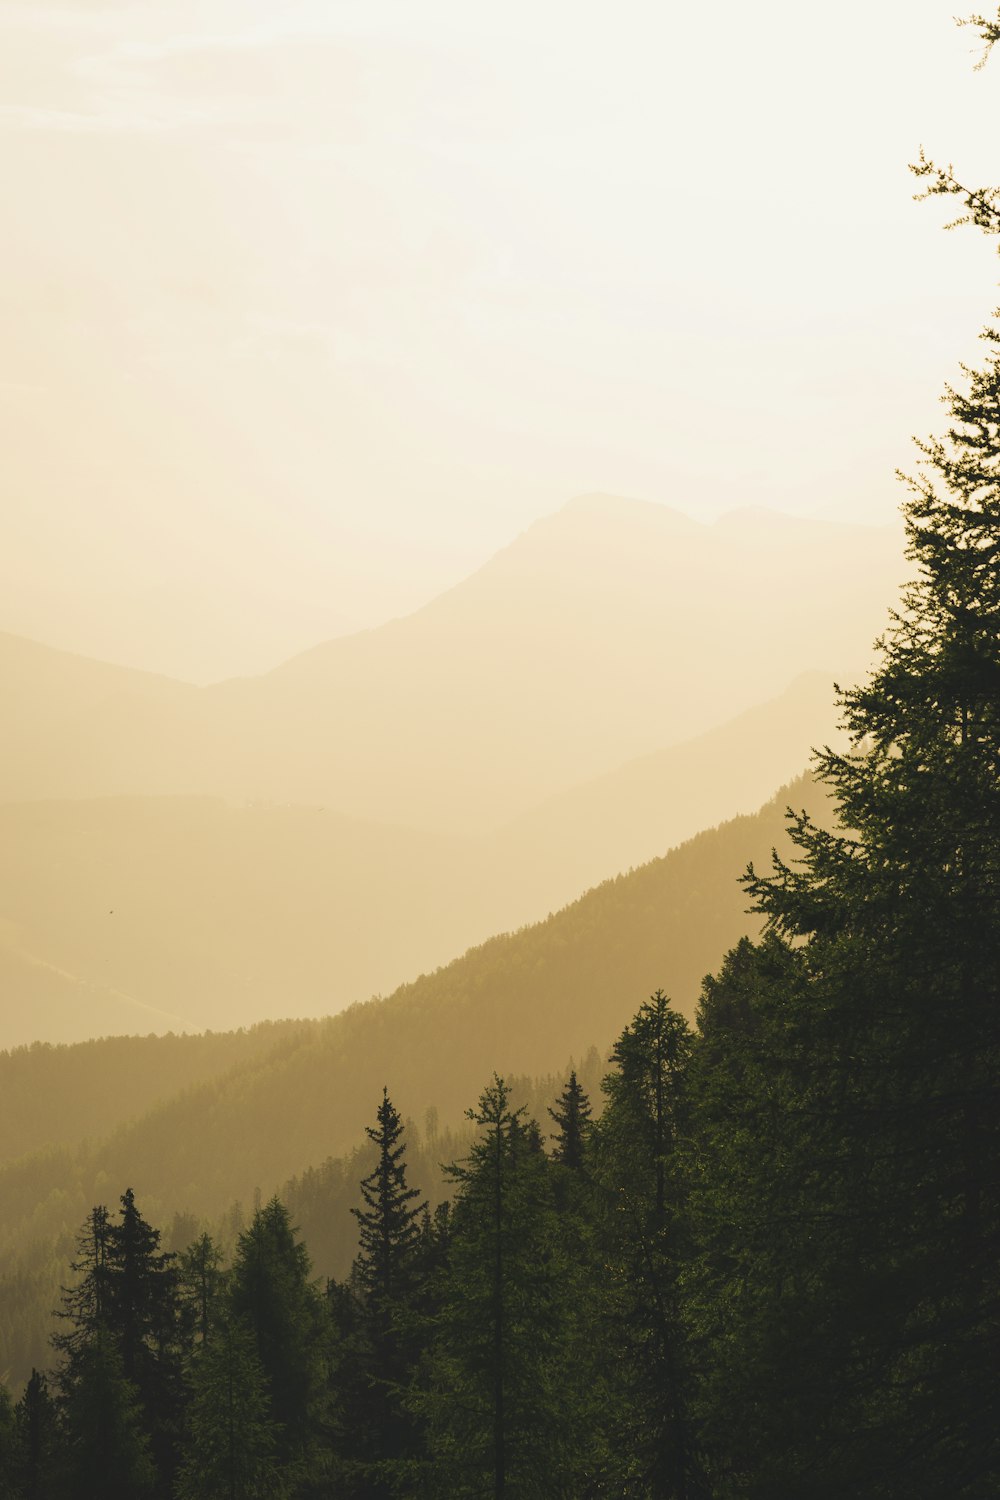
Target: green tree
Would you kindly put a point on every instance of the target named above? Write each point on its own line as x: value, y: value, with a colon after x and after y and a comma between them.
x: 380, y: 1337
x: 874, y: 1240
x: 200, y: 1280
x: 504, y: 1406
x: 8, y: 1447
x: 38, y: 1441
x: 86, y: 1301
x: 271, y: 1291
x: 107, y: 1447
x: 636, y: 1147
x: 125, y: 1297
x: 571, y: 1115
x: 230, y: 1443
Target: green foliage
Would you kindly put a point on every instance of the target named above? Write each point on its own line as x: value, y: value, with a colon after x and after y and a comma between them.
x: 8, y: 1447
x: 107, y: 1450
x: 637, y: 1155
x: 524, y: 1001
x: 37, y: 1442
x: 230, y: 1442
x: 271, y: 1291
x: 377, y: 1319
x: 504, y: 1391
x: 387, y: 1222
x: 572, y: 1116
x: 199, y: 1276
x: 846, y: 1148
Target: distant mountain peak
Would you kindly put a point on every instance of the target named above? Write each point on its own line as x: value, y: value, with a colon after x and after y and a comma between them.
x: 602, y: 504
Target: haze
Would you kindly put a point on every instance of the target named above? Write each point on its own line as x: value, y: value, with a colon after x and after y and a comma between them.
x: 310, y: 309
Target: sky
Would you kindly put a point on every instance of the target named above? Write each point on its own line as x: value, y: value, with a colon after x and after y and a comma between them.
x: 309, y: 308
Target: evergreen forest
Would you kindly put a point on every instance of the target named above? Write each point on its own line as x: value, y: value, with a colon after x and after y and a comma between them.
x: 752, y: 1255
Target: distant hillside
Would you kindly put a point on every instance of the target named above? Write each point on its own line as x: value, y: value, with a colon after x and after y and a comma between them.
x: 521, y: 1003
x: 606, y: 631
x: 135, y: 915
x: 51, y: 1095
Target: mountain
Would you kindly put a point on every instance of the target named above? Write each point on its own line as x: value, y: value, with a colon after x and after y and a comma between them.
x: 128, y: 915
x: 601, y: 633
x: 522, y: 1002
x: 268, y: 1106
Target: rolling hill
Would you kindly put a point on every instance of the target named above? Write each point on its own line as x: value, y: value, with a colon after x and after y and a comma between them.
x: 268, y: 1107
x: 604, y: 632
x: 127, y: 915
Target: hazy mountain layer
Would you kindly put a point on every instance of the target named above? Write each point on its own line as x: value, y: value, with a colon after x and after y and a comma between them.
x: 605, y: 631
x: 519, y: 1003
x: 137, y: 915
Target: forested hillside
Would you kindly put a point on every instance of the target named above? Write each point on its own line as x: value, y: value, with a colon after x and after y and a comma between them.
x: 57, y: 1094
x: 525, y: 1002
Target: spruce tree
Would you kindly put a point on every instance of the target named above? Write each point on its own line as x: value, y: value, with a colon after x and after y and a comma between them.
x: 571, y: 1116
x: 866, y: 1323
x: 124, y: 1300
x: 504, y: 1406
x: 637, y: 1152
x: 388, y: 1222
x: 86, y: 1303
x: 230, y: 1439
x: 38, y: 1441
x: 200, y: 1279
x: 270, y: 1290
x: 107, y: 1445
x: 380, y: 1337
x: 8, y: 1447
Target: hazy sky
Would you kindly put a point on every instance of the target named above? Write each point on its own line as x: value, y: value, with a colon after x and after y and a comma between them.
x: 308, y: 307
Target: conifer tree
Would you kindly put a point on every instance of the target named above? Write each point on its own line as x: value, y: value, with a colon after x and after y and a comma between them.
x: 872, y: 1275
x: 230, y: 1439
x: 124, y: 1301
x: 38, y: 1441
x: 271, y: 1291
x: 637, y: 1156
x: 380, y: 1338
x: 107, y: 1446
x: 8, y: 1447
x: 388, y: 1222
x: 572, y: 1116
x: 497, y: 1391
x: 86, y: 1302
x: 200, y: 1281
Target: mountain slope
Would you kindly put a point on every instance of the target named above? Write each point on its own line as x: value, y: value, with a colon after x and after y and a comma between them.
x: 132, y: 915
x: 604, y: 631
x: 521, y: 1003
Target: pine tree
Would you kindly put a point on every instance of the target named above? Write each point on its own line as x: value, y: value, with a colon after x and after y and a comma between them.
x: 869, y: 1331
x: 8, y: 1447
x: 271, y: 1291
x: 388, y: 1222
x: 107, y: 1447
x: 497, y: 1391
x: 125, y: 1298
x: 86, y: 1305
x: 38, y: 1441
x: 380, y: 1337
x: 199, y: 1276
x: 230, y: 1439
x: 571, y: 1115
x: 637, y: 1150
